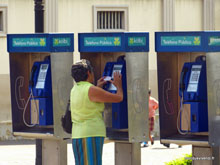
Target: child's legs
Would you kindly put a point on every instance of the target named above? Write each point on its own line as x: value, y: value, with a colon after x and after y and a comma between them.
x: 88, y: 151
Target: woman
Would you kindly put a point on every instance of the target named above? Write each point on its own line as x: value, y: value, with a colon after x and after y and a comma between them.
x: 87, y: 105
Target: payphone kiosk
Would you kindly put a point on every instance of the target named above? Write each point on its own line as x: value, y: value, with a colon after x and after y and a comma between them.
x: 126, y: 121
x: 40, y: 82
x: 188, y: 74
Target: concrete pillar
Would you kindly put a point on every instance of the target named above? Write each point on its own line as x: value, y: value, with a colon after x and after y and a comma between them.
x: 54, y: 152
x: 127, y: 153
x: 205, y: 155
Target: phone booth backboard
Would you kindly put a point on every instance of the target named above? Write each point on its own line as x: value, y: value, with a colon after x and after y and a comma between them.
x: 26, y: 51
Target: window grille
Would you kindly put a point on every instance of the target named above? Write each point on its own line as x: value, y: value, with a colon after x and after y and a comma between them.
x: 111, y: 20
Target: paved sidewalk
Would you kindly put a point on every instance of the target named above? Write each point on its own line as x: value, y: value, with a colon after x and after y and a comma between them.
x: 23, y: 153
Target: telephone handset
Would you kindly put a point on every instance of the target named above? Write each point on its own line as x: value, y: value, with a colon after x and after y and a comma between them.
x: 182, y: 78
x: 110, y: 69
x: 31, y: 80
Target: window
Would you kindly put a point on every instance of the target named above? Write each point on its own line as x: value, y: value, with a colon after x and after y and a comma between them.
x: 110, y: 18
x: 3, y: 20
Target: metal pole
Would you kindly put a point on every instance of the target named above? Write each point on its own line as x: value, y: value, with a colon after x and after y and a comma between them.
x: 39, y: 16
x: 38, y: 160
x: 39, y: 28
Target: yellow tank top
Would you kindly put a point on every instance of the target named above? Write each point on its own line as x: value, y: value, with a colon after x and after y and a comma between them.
x: 86, y: 115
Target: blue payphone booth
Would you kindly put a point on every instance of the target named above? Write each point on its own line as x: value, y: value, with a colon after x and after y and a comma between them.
x: 127, y: 54
x: 188, y: 75
x: 40, y: 82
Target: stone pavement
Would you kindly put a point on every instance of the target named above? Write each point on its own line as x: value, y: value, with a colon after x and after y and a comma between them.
x: 22, y: 152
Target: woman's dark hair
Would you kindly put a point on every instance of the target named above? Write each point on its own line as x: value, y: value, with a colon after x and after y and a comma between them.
x: 149, y: 91
x: 80, y: 70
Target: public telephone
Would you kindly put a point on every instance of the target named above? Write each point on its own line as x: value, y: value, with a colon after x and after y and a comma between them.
x: 193, y: 93
x: 40, y: 89
x: 119, y: 110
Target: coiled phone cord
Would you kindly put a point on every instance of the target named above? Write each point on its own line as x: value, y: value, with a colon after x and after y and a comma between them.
x: 25, y: 108
x: 178, y: 118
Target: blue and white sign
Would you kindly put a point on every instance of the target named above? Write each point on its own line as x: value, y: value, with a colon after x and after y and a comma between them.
x: 114, y: 42
x: 29, y: 42
x: 57, y: 42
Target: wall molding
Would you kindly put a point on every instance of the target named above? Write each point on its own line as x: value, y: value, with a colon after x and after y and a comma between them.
x: 4, y: 12
x: 51, y: 16
x: 208, y: 14
x: 168, y: 15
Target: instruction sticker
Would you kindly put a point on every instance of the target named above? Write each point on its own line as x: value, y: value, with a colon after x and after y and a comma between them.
x: 194, y: 78
x: 42, y: 76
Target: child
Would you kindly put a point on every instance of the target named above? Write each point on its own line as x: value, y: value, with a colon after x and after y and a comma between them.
x: 153, y: 105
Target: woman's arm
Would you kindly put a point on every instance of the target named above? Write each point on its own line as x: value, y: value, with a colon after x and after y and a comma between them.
x: 97, y: 94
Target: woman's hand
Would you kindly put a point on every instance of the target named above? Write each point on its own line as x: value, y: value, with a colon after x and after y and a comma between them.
x: 101, y: 82
x: 117, y: 80
x: 97, y: 94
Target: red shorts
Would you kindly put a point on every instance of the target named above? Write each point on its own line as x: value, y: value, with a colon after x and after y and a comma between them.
x: 151, y: 123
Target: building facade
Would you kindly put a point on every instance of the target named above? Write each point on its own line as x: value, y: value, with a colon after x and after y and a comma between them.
x: 17, y: 16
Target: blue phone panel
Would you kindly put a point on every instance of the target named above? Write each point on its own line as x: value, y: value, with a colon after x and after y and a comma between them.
x: 119, y: 110
x: 40, y: 85
x: 193, y: 90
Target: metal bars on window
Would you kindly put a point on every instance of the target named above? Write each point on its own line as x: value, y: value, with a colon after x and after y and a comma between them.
x: 110, y: 20
x: 1, y: 20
